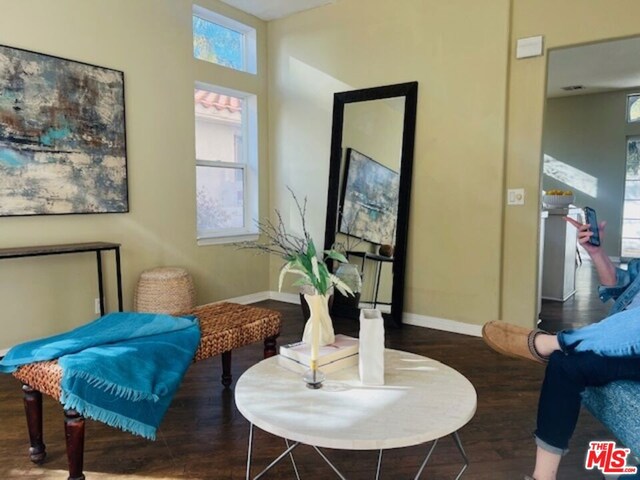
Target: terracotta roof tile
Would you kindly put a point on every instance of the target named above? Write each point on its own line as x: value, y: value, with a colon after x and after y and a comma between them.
x: 218, y: 101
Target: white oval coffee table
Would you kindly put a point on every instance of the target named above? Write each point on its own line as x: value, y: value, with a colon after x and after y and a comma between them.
x: 422, y: 400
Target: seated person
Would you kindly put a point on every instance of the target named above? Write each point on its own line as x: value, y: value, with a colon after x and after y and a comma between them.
x: 594, y: 355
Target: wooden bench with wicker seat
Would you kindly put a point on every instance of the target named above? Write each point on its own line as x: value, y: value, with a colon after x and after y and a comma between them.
x: 224, y: 327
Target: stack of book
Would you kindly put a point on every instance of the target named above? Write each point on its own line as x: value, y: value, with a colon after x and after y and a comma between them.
x: 340, y: 354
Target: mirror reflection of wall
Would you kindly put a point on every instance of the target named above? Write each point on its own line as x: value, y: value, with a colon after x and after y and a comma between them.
x: 372, y: 137
x: 588, y: 137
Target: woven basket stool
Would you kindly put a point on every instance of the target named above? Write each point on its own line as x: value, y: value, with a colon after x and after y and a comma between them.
x: 224, y: 327
x: 164, y: 290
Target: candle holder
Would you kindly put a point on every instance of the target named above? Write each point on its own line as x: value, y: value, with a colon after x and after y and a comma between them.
x: 314, y: 378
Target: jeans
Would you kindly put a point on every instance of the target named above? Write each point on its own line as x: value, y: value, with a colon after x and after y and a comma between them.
x: 616, y: 336
x: 590, y: 356
x: 566, y: 377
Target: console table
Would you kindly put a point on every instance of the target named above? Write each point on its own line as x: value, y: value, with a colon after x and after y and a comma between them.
x: 379, y: 259
x: 98, y: 247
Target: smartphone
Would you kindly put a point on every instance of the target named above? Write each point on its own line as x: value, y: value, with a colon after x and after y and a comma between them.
x: 590, y: 218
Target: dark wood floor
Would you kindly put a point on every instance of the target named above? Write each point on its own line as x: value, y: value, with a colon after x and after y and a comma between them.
x: 581, y: 309
x: 204, y: 437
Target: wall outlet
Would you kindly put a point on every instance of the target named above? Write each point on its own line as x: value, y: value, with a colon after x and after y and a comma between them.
x: 96, y: 305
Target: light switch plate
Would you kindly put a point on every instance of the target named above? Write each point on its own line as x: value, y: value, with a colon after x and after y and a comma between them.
x: 515, y: 196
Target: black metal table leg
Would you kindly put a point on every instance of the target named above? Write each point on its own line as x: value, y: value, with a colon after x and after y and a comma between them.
x: 375, y: 295
x: 100, y: 283
x: 119, y: 278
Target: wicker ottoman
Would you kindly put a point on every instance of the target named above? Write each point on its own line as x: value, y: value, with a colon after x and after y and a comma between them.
x: 224, y: 327
x: 164, y: 290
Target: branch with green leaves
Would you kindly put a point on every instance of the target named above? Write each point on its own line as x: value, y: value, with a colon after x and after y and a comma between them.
x: 299, y: 253
x: 314, y: 272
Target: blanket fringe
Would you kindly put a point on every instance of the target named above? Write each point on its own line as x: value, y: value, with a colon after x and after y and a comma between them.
x: 113, y: 388
x: 88, y: 410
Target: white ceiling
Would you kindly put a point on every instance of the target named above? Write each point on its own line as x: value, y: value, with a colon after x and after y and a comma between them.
x: 272, y: 9
x: 600, y: 67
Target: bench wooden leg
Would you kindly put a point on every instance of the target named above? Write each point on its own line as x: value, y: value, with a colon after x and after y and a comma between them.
x: 226, y: 369
x: 74, y: 434
x: 33, y: 410
x: 270, y: 346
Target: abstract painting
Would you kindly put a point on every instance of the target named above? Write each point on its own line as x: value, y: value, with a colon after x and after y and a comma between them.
x: 369, y: 202
x: 62, y: 136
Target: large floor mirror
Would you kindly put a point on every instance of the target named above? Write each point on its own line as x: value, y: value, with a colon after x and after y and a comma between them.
x: 372, y: 146
x: 591, y: 151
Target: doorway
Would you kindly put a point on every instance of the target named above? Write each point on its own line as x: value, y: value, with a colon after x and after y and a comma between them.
x: 591, y: 146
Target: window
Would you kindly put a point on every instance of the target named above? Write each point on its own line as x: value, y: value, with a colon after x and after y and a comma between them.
x: 221, y: 40
x: 226, y: 163
x: 633, y: 108
x: 631, y: 211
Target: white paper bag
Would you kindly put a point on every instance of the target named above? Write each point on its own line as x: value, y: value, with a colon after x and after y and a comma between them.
x: 371, y: 361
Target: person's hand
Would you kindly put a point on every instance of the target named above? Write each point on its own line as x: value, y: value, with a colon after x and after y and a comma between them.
x: 584, y: 234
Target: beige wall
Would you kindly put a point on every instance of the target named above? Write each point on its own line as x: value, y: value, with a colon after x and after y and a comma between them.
x: 570, y: 22
x: 589, y: 133
x: 454, y: 255
x: 151, y: 41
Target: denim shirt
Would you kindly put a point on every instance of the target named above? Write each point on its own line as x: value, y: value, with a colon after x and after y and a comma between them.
x: 627, y: 286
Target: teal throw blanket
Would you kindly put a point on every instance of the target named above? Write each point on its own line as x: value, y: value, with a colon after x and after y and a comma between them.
x: 122, y: 369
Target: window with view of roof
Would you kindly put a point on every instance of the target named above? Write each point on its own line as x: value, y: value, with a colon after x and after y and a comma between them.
x: 226, y: 162
x: 226, y: 131
x: 223, y: 41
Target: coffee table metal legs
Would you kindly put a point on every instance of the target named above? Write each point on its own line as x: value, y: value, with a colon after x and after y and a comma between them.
x: 333, y: 467
x: 293, y: 462
x: 456, y: 439
x: 292, y: 446
x: 272, y: 464
x: 426, y: 459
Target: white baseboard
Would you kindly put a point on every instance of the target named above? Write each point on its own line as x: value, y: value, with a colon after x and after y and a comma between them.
x: 3, y: 352
x: 285, y: 297
x: 442, y: 324
x: 251, y: 298
x: 408, y: 318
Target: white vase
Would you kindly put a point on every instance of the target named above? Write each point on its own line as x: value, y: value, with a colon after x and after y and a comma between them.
x: 319, y: 308
x: 371, y: 350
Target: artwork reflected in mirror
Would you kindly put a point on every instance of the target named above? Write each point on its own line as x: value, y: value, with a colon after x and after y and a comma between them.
x: 369, y: 200
x: 368, y: 194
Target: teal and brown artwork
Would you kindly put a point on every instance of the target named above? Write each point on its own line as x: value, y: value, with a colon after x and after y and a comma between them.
x: 62, y: 136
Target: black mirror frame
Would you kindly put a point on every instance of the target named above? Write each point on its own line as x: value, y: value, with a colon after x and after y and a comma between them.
x: 410, y: 92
